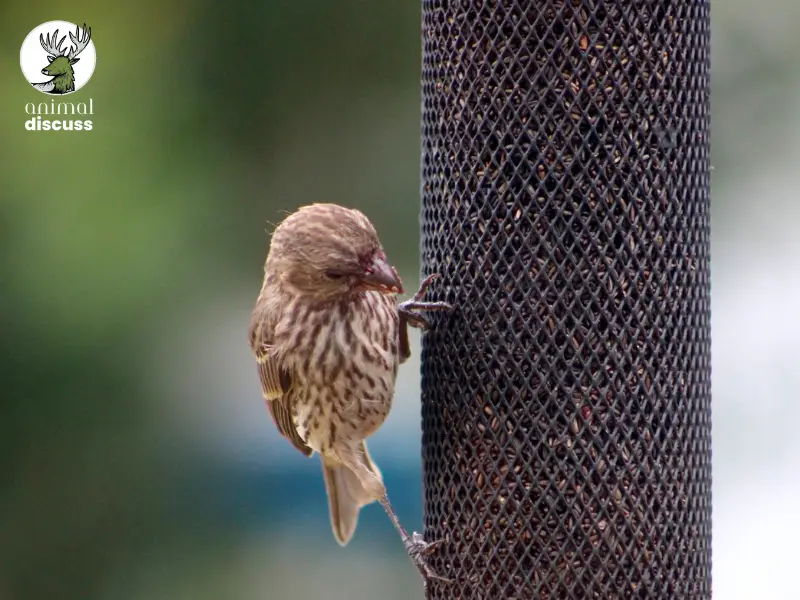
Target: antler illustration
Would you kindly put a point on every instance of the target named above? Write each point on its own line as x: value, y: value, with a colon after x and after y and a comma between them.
x: 62, y: 59
x: 80, y: 41
x: 50, y: 46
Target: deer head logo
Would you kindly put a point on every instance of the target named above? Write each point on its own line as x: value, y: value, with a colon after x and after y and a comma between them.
x: 61, y: 58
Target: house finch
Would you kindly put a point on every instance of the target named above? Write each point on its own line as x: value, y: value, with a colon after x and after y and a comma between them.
x: 328, y: 335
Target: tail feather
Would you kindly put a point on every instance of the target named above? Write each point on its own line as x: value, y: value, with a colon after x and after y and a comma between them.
x: 346, y: 496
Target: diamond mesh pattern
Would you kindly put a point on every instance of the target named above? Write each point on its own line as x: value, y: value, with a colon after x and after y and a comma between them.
x: 566, y: 402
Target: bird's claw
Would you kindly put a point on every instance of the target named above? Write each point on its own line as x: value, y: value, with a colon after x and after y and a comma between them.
x: 418, y: 549
x: 423, y: 287
x: 411, y: 308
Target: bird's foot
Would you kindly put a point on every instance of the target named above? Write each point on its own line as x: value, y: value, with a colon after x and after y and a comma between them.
x: 418, y: 549
x: 410, y: 309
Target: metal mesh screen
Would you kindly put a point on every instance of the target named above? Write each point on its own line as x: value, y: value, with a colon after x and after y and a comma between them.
x: 566, y: 401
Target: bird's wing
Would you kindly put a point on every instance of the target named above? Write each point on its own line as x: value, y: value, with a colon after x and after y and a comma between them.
x: 275, y: 384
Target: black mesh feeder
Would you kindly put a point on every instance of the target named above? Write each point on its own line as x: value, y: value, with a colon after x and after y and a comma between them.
x: 567, y: 398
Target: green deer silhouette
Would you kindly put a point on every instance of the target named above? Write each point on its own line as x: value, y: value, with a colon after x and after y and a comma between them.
x: 61, y: 61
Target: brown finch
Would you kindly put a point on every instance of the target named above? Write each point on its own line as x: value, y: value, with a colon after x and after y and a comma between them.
x: 328, y: 335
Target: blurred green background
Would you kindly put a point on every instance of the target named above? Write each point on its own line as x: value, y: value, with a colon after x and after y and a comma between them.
x: 136, y: 458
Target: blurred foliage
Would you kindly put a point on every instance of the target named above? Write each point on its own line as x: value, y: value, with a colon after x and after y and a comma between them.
x: 210, y: 119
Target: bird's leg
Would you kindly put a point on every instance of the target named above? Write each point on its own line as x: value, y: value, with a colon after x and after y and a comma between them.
x: 409, y: 309
x: 416, y: 547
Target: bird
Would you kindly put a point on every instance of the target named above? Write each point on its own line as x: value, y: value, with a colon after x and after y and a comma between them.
x: 328, y: 334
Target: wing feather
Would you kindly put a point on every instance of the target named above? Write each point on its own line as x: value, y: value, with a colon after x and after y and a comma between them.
x: 275, y: 384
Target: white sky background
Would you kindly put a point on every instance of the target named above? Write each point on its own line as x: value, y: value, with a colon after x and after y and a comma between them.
x: 756, y: 379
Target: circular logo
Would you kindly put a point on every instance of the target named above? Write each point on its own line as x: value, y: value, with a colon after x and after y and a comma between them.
x: 58, y: 57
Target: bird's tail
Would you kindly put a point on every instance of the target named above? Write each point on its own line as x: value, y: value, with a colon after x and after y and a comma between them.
x: 346, y: 495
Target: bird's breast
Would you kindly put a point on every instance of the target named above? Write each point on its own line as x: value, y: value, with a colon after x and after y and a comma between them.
x: 344, y: 361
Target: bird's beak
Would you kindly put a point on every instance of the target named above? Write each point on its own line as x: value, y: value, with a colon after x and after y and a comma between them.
x: 382, y: 277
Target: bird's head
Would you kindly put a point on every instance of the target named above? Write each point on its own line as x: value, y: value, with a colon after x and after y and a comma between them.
x: 327, y: 251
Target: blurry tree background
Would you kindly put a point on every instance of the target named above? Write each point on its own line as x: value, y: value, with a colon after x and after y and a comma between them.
x: 137, y: 460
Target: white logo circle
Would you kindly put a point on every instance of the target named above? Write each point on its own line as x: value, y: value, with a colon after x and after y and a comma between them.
x: 58, y: 57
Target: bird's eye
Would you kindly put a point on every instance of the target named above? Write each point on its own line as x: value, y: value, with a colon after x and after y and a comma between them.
x: 334, y: 275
